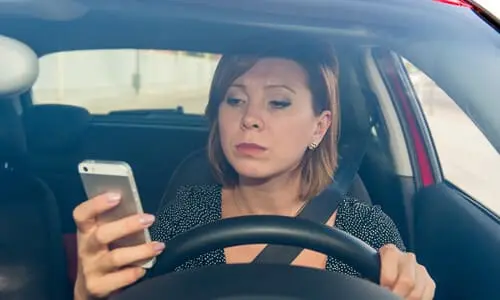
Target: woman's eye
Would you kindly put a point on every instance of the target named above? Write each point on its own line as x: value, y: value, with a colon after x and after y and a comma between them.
x: 233, y: 101
x: 280, y: 103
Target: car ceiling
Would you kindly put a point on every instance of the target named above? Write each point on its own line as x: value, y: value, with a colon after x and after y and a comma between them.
x: 90, y: 23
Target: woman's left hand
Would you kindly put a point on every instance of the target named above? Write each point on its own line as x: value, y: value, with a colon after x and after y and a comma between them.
x: 401, y: 274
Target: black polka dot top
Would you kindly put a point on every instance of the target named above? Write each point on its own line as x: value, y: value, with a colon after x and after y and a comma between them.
x: 200, y: 205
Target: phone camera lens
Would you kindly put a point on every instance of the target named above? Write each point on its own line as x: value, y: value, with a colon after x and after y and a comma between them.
x: 85, y: 169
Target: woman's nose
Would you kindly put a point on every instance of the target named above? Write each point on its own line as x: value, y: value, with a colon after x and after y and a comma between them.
x: 252, y: 118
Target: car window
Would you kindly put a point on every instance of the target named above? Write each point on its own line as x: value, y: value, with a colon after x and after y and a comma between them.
x: 126, y: 79
x: 467, y: 158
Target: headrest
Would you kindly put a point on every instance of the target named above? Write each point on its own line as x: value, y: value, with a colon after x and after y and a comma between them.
x: 55, y: 128
x: 18, y: 65
x: 12, y: 138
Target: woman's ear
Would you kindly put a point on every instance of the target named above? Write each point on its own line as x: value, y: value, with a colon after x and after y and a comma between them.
x: 323, y: 123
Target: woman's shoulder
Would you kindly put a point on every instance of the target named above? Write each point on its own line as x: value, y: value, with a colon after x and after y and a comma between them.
x: 194, y: 197
x: 198, y: 195
x: 368, y: 223
x: 193, y: 205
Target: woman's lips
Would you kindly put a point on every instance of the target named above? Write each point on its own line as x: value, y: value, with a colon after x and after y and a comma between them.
x: 250, y: 148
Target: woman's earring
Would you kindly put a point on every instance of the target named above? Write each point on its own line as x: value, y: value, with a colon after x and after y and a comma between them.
x: 312, y: 146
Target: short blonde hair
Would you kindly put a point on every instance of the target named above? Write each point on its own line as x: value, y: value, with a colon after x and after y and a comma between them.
x: 320, y: 62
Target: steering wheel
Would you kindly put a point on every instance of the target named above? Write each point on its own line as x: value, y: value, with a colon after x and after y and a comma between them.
x: 261, y: 281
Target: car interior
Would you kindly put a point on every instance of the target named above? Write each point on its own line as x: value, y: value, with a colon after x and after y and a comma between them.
x: 42, y: 144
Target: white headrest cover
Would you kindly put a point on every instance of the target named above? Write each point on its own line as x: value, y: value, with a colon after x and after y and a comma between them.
x: 18, y: 67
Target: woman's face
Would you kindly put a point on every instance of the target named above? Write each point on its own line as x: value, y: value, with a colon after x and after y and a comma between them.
x: 266, y: 120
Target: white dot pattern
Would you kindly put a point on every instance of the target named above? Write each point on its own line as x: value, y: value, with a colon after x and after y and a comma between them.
x: 199, y: 205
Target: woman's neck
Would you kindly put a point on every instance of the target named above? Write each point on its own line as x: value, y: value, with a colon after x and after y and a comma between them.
x: 276, y: 196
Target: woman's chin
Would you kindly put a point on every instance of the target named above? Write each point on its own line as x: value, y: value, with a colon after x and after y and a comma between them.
x: 253, y: 172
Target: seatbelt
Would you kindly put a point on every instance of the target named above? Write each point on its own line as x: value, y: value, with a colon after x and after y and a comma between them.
x: 320, y: 208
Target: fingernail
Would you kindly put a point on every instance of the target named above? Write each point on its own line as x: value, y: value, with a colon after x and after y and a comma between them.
x: 158, y: 247
x: 113, y: 198
x: 147, y: 219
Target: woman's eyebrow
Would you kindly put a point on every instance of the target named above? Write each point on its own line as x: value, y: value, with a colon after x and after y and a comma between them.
x: 270, y: 86
x: 237, y: 85
x: 283, y: 86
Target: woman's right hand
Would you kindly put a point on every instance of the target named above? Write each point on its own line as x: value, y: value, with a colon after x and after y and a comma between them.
x: 102, y: 271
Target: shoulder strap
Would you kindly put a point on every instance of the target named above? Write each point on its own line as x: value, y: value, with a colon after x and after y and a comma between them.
x: 321, y: 207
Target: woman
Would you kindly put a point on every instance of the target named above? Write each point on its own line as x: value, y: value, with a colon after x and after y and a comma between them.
x: 273, y: 146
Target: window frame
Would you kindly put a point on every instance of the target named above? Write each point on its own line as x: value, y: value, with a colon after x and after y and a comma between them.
x: 387, y: 57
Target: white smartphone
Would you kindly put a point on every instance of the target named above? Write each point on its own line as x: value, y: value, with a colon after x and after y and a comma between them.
x: 99, y: 177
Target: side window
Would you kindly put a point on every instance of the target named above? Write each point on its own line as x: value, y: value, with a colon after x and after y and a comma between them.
x: 107, y: 80
x: 467, y: 158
